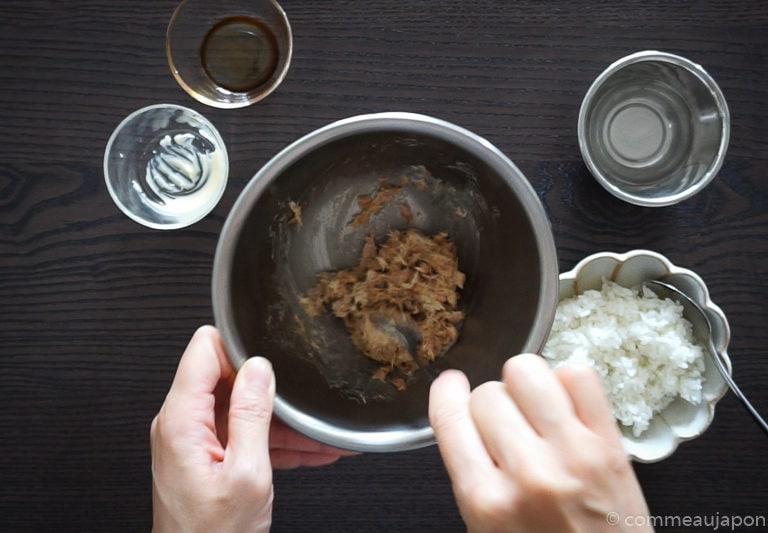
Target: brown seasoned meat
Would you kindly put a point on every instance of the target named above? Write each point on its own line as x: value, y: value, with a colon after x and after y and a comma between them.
x: 410, y: 276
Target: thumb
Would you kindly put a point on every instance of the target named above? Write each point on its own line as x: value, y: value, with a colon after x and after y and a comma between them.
x: 250, y: 414
x: 459, y: 441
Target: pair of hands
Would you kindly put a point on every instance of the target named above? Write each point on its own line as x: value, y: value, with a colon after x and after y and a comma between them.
x: 517, y: 462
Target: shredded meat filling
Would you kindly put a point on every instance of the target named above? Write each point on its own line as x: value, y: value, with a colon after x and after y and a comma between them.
x: 410, y: 277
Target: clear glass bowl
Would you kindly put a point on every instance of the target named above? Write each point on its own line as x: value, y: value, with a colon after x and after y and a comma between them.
x: 166, y: 166
x: 229, y: 53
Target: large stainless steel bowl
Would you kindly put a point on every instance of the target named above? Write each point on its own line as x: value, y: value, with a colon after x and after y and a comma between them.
x: 266, y: 260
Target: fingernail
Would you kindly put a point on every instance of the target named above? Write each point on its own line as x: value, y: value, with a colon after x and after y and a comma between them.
x: 258, y: 374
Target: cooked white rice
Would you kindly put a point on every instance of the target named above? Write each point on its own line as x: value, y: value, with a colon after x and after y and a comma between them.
x: 640, y: 345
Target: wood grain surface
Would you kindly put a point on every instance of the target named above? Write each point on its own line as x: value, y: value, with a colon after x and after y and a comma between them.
x: 95, y: 309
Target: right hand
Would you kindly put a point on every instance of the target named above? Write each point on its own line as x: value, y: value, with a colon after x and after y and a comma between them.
x: 539, y: 451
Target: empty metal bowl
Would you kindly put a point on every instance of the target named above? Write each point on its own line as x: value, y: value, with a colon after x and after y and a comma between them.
x: 653, y: 128
x: 292, y: 222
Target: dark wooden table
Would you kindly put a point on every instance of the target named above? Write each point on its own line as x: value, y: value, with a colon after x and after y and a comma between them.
x: 95, y: 309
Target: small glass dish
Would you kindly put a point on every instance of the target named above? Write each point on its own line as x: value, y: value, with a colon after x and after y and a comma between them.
x: 679, y: 421
x: 229, y: 53
x: 166, y: 166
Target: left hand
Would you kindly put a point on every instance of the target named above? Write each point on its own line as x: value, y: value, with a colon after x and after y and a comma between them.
x: 214, y: 443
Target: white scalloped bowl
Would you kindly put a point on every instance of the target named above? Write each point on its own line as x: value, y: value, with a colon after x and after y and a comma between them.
x: 680, y: 421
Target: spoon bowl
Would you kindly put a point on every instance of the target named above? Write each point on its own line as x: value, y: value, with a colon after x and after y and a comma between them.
x: 405, y: 333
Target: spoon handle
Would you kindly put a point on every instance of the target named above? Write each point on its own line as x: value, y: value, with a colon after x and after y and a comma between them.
x: 735, y: 388
x: 665, y: 290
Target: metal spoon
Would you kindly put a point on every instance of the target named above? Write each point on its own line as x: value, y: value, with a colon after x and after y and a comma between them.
x: 405, y: 332
x: 702, y: 328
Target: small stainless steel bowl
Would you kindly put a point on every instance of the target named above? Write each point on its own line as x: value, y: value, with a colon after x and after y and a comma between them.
x: 266, y: 259
x: 654, y: 128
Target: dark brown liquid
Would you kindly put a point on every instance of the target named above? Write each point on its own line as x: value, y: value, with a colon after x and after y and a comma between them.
x: 239, y: 53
